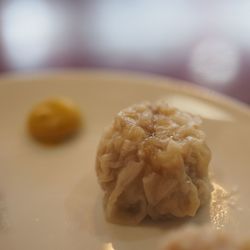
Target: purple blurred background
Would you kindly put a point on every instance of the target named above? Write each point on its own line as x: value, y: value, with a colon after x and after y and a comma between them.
x: 203, y: 41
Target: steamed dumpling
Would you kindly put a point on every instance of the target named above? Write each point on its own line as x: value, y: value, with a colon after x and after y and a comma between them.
x: 153, y: 161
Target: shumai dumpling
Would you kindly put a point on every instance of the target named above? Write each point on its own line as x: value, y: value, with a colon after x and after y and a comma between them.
x: 153, y: 161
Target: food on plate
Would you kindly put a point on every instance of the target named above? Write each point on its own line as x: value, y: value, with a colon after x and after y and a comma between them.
x: 153, y: 161
x: 54, y: 120
x: 203, y: 238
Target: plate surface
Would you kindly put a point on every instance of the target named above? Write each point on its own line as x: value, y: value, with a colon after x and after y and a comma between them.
x: 49, y: 196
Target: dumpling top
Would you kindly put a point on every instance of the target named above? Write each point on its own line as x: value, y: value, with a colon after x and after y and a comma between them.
x: 153, y: 160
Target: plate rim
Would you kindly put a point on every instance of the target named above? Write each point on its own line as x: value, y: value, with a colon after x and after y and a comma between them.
x: 142, y: 78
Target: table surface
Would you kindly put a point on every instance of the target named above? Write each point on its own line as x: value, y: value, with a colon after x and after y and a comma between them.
x: 204, y: 42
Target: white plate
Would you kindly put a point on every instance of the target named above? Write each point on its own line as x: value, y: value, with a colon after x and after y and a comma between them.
x: 50, y: 198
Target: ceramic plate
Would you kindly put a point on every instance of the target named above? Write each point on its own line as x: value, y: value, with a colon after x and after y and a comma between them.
x: 49, y: 196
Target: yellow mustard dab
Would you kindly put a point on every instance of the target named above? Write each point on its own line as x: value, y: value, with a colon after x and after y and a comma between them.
x: 54, y: 120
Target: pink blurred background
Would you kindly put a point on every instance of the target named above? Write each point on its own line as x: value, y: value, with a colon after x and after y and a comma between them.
x: 203, y: 41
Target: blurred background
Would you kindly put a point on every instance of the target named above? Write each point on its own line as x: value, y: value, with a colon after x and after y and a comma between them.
x: 206, y: 42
